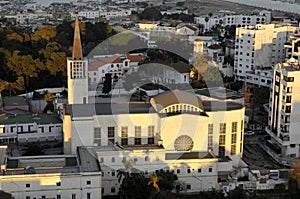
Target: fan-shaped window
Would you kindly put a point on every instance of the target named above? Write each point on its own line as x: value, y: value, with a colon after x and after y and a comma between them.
x: 183, y: 143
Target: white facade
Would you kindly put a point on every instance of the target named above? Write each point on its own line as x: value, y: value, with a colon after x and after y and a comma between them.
x: 28, y: 128
x: 93, y: 14
x: 52, y: 177
x: 187, y: 30
x: 25, y: 18
x: 263, y: 77
x: 260, y: 47
x: 284, y: 106
x: 237, y: 20
x: 117, y: 65
x: 117, y: 136
x: 174, y: 131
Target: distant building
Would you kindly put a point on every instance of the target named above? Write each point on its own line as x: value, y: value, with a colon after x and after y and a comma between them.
x: 260, y: 47
x: 117, y: 65
x: 284, y: 107
x: 187, y: 29
x: 260, y: 77
x: 60, y: 176
x: 236, y: 20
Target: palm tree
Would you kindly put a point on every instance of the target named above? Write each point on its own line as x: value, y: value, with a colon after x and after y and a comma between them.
x: 128, y: 165
x: 154, y: 179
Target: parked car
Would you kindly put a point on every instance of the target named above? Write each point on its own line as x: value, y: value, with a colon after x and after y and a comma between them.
x: 249, y: 133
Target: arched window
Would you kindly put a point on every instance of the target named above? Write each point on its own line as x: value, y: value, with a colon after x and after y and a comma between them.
x: 113, y: 159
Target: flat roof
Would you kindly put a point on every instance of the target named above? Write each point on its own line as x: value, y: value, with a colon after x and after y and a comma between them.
x: 88, y: 160
x: 14, y: 101
x: 219, y: 93
x: 210, y: 106
x: 85, y: 161
x: 189, y: 155
x: 84, y: 110
x: 30, y: 118
x: 88, y: 110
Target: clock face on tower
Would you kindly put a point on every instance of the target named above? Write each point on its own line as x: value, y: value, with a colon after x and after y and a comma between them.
x: 183, y: 143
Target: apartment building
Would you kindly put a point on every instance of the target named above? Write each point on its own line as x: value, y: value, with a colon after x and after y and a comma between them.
x: 234, y: 20
x: 259, y: 47
x: 284, y: 106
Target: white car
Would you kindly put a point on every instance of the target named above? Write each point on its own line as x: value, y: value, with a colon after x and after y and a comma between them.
x: 249, y: 133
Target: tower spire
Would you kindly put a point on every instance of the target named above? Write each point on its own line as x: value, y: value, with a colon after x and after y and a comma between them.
x: 77, y: 48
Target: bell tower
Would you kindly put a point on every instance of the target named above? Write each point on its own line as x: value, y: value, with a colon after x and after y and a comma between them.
x: 77, y: 71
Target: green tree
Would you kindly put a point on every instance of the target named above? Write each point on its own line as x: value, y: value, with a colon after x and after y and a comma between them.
x: 44, y: 32
x: 49, y: 98
x: 107, y: 84
x: 237, y: 193
x: 167, y: 180
x: 151, y: 13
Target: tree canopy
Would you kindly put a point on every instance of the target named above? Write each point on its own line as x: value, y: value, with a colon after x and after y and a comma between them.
x: 32, y: 60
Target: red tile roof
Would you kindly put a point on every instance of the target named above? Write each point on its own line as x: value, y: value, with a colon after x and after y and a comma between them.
x: 135, y: 58
x: 101, y: 61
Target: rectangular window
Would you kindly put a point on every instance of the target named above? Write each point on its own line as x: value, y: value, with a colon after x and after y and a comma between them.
x: 27, y: 185
x: 288, y: 99
x: 234, y: 127
x: 58, y: 196
x: 113, y: 190
x: 222, y: 128
x: 199, y: 170
x: 97, y: 136
x: 88, y: 182
x: 221, y: 151
x: 233, y: 138
x: 210, y: 129
x: 222, y: 139
x: 137, y: 133
x: 150, y: 134
x: 88, y: 196
x: 233, y: 149
x: 124, y: 135
x: 290, y: 79
x: 111, y: 134
x: 242, y: 125
x: 210, y: 142
x: 73, y: 196
x: 288, y: 109
x: 150, y: 131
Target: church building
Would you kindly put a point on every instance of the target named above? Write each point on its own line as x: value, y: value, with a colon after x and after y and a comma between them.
x: 199, y: 140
